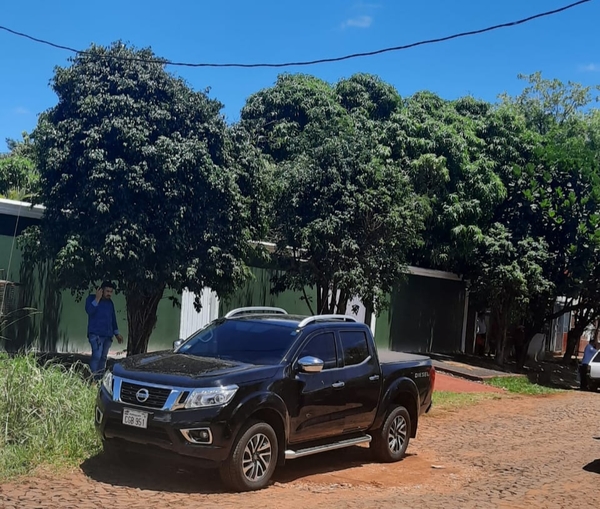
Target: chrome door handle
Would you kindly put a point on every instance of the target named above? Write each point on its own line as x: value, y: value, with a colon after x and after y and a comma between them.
x: 373, y: 378
x: 338, y: 385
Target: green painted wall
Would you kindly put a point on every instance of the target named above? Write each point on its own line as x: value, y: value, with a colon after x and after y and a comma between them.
x: 56, y: 321
x: 424, y: 314
x: 257, y: 292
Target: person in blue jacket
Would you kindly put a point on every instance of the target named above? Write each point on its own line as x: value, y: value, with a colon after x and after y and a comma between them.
x: 102, y: 326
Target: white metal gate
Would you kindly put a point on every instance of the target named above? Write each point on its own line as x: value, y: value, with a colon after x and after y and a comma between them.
x: 191, y: 320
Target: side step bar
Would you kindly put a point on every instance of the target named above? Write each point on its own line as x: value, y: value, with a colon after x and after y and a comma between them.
x: 292, y: 455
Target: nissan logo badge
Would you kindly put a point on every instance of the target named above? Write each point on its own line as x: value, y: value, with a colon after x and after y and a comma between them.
x: 142, y: 395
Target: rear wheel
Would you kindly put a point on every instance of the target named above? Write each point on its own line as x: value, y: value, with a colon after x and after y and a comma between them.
x: 253, y: 458
x: 391, y: 440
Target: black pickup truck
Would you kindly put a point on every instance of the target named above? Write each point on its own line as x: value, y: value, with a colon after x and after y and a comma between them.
x: 258, y: 387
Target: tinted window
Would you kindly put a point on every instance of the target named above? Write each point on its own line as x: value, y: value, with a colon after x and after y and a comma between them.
x: 248, y: 341
x: 322, y: 347
x: 354, y: 346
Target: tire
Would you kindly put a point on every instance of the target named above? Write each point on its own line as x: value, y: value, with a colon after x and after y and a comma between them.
x: 247, y: 468
x: 391, y: 440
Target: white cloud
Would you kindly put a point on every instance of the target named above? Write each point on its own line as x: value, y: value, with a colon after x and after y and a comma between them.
x: 358, y: 22
x: 19, y: 110
x: 590, y: 68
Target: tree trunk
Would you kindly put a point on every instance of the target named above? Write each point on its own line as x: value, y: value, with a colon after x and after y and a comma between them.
x: 332, y: 300
x: 322, y: 297
x: 141, y: 318
x: 498, y: 339
x: 573, y: 338
x: 369, y: 310
x: 502, y: 347
x: 342, y: 303
x: 531, y: 329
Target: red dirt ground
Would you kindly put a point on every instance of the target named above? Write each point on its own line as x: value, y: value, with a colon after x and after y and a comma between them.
x: 453, y: 384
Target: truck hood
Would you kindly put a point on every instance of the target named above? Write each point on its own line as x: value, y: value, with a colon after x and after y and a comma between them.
x: 169, y: 368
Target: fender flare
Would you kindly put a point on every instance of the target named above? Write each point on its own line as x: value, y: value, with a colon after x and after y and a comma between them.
x: 402, y: 387
x: 255, y: 403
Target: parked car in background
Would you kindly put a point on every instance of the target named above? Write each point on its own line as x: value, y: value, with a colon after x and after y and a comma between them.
x: 259, y: 387
x: 593, y: 372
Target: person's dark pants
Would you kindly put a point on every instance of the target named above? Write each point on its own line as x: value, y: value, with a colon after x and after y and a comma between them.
x: 583, y: 380
x: 100, y: 346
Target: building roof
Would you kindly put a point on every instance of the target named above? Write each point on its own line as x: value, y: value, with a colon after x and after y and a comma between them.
x: 20, y: 209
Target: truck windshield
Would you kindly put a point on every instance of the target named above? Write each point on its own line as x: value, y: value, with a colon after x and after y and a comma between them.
x: 248, y: 341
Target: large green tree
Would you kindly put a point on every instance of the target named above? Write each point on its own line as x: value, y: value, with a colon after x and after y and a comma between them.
x: 19, y: 176
x: 443, y: 147
x: 140, y: 183
x: 558, y: 191
x: 345, y: 215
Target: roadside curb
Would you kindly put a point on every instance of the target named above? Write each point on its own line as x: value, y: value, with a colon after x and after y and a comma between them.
x: 475, y: 378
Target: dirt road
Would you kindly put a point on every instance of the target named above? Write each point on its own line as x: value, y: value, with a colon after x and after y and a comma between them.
x: 516, y: 453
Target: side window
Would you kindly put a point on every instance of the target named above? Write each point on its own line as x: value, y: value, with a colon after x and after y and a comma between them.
x: 354, y: 347
x: 323, y: 347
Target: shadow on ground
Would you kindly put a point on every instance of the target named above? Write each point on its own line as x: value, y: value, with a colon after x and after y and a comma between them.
x: 593, y: 467
x: 149, y: 474
x: 145, y: 474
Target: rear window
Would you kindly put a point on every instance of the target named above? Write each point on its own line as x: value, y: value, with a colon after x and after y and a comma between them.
x: 249, y: 341
x: 355, y: 347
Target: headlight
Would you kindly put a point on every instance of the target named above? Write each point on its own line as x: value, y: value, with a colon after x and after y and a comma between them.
x: 107, y: 382
x: 211, y: 396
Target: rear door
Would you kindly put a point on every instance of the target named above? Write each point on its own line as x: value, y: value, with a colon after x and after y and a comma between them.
x: 362, y: 379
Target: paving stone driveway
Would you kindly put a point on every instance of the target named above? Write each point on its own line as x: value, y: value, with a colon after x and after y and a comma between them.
x: 516, y: 453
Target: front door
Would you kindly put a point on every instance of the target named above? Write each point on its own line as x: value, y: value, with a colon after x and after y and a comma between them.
x: 318, y: 411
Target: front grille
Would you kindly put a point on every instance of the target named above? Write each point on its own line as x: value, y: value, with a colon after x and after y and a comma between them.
x: 156, y: 397
x: 153, y: 434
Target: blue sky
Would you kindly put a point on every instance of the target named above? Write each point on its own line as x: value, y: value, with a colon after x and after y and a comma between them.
x: 562, y: 46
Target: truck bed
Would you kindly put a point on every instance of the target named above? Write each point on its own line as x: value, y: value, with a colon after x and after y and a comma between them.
x: 391, y: 357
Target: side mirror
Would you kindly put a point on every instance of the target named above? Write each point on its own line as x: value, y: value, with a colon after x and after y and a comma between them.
x: 177, y: 344
x: 310, y: 364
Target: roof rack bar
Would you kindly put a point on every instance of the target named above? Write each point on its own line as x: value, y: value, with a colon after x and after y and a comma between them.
x: 255, y: 309
x: 326, y: 318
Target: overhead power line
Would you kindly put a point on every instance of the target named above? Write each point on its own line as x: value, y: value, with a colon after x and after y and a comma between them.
x: 310, y: 62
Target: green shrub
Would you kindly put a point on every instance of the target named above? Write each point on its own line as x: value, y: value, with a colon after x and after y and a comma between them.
x: 46, y: 416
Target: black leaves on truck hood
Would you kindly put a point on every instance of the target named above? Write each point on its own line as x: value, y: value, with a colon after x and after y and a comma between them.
x: 176, y: 364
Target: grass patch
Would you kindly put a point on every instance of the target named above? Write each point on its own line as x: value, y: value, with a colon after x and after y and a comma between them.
x: 520, y: 385
x: 46, y: 416
x: 444, y: 400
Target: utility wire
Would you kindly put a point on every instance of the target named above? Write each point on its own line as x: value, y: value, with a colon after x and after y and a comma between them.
x: 307, y: 62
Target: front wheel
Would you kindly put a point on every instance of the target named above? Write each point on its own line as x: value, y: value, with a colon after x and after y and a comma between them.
x: 253, y: 458
x: 391, y: 440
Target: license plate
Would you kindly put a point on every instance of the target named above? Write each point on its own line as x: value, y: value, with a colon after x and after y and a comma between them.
x: 135, y: 418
